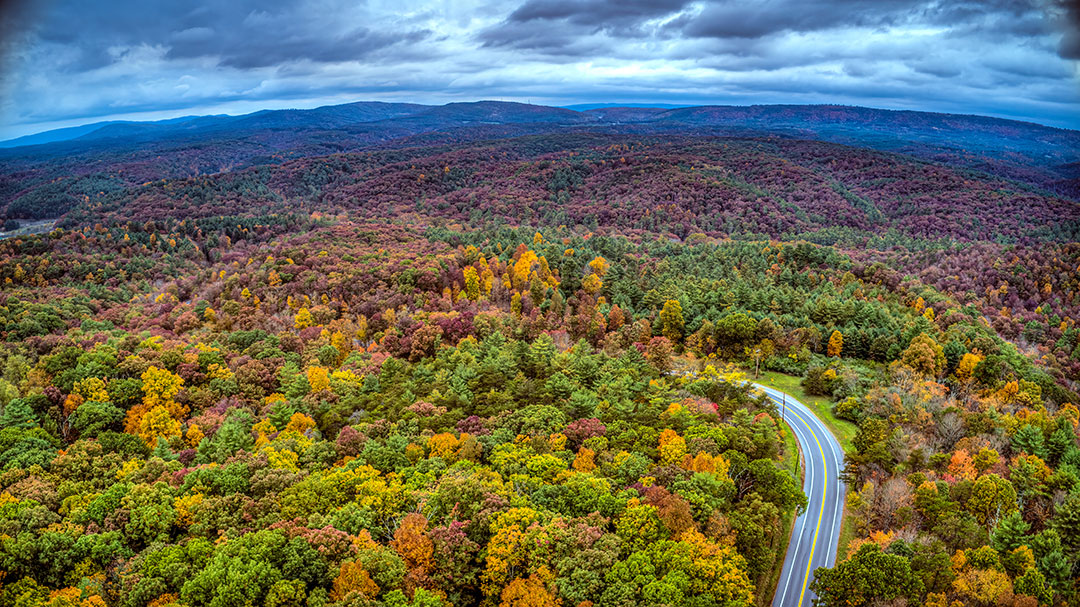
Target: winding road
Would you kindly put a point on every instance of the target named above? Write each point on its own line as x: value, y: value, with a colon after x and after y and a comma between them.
x: 816, y: 533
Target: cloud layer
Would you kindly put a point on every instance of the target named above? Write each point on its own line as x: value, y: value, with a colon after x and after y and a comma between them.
x: 71, y: 61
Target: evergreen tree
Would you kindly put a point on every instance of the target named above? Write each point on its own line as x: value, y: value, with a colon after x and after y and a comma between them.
x: 1010, y: 533
x: 18, y: 414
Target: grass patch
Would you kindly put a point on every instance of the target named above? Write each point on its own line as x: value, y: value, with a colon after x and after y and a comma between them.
x: 847, y: 533
x: 843, y: 430
x: 791, y: 462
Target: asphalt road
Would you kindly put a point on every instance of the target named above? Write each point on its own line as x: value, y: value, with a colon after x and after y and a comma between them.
x: 816, y: 534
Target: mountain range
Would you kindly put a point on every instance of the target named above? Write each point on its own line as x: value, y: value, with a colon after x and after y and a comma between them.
x: 130, y: 153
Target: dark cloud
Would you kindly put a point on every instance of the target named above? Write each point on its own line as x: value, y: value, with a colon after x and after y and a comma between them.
x: 239, y: 33
x: 604, y: 14
x: 729, y: 19
x: 1069, y: 19
x: 107, y: 58
x: 549, y: 24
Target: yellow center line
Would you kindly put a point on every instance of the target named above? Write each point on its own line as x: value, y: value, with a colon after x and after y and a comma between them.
x: 824, y: 490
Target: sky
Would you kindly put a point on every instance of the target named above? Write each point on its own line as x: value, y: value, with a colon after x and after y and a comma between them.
x: 70, y: 62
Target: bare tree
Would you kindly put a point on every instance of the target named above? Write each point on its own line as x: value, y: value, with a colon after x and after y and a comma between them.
x: 950, y: 430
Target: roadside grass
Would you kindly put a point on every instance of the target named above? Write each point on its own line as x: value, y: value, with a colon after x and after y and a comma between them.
x: 792, y: 462
x: 843, y: 430
x: 847, y: 533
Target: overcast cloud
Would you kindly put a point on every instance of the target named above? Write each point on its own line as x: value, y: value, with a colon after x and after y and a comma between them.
x: 68, y: 62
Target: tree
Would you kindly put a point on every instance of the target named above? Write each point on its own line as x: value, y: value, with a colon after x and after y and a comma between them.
x: 591, y: 284
x: 1010, y: 533
x: 353, y: 578
x: 1033, y: 583
x: 93, y: 417
x: 616, y: 318
x: 528, y: 592
x: 867, y: 576
x: 157, y: 423
x: 415, y: 547
x: 836, y: 344
x: 303, y: 319
x: 659, y: 353
x: 671, y: 319
x: 19, y: 415
x: 1066, y: 522
x: 924, y: 355
x: 599, y: 266
x: 694, y: 571
x: 965, y: 369
x: 472, y: 283
x: 992, y: 497
x: 1029, y: 439
x: 764, y: 349
x: 160, y: 386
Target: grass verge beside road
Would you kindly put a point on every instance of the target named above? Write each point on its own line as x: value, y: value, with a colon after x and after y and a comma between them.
x: 843, y: 430
x: 847, y: 533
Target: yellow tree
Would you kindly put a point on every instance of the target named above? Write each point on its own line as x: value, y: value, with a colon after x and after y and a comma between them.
x: 362, y: 328
x: 318, y: 379
x: 591, y: 284
x: 836, y: 344
x: 303, y: 319
x: 194, y: 435
x: 159, y: 386
x: 528, y: 592
x: 472, y: 283
x: 92, y: 389
x: 522, y: 268
x: 965, y: 369
x: 599, y: 266
x: 157, y: 423
x: 672, y: 447
x: 341, y: 344
x: 671, y: 318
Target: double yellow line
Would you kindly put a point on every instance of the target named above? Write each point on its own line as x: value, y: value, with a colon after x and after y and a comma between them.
x: 821, y: 515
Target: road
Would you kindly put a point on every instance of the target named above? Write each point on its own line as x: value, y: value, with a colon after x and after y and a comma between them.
x: 817, y: 532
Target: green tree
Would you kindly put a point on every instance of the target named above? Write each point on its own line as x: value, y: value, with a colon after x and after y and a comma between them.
x: 865, y: 577
x: 1010, y: 533
x: 1029, y: 439
x: 992, y: 497
x: 1066, y: 522
x: 18, y: 414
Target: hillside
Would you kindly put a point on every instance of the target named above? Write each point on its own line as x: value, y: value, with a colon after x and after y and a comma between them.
x: 403, y: 356
x: 136, y: 152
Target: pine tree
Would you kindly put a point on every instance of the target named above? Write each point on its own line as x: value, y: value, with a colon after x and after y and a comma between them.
x: 1067, y: 523
x: 18, y: 414
x: 1010, y: 533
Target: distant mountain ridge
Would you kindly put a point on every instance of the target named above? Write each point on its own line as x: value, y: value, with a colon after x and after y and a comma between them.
x: 502, y: 112
x: 115, y: 153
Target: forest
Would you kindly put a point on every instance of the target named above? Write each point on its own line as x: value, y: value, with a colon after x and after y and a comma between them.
x: 456, y: 374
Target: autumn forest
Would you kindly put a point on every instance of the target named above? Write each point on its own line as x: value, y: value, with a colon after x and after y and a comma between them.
x: 509, y: 365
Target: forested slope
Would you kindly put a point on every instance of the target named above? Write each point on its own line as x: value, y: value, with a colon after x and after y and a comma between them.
x: 440, y: 375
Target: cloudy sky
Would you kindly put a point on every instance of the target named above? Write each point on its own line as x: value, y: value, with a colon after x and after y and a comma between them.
x: 67, y: 62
